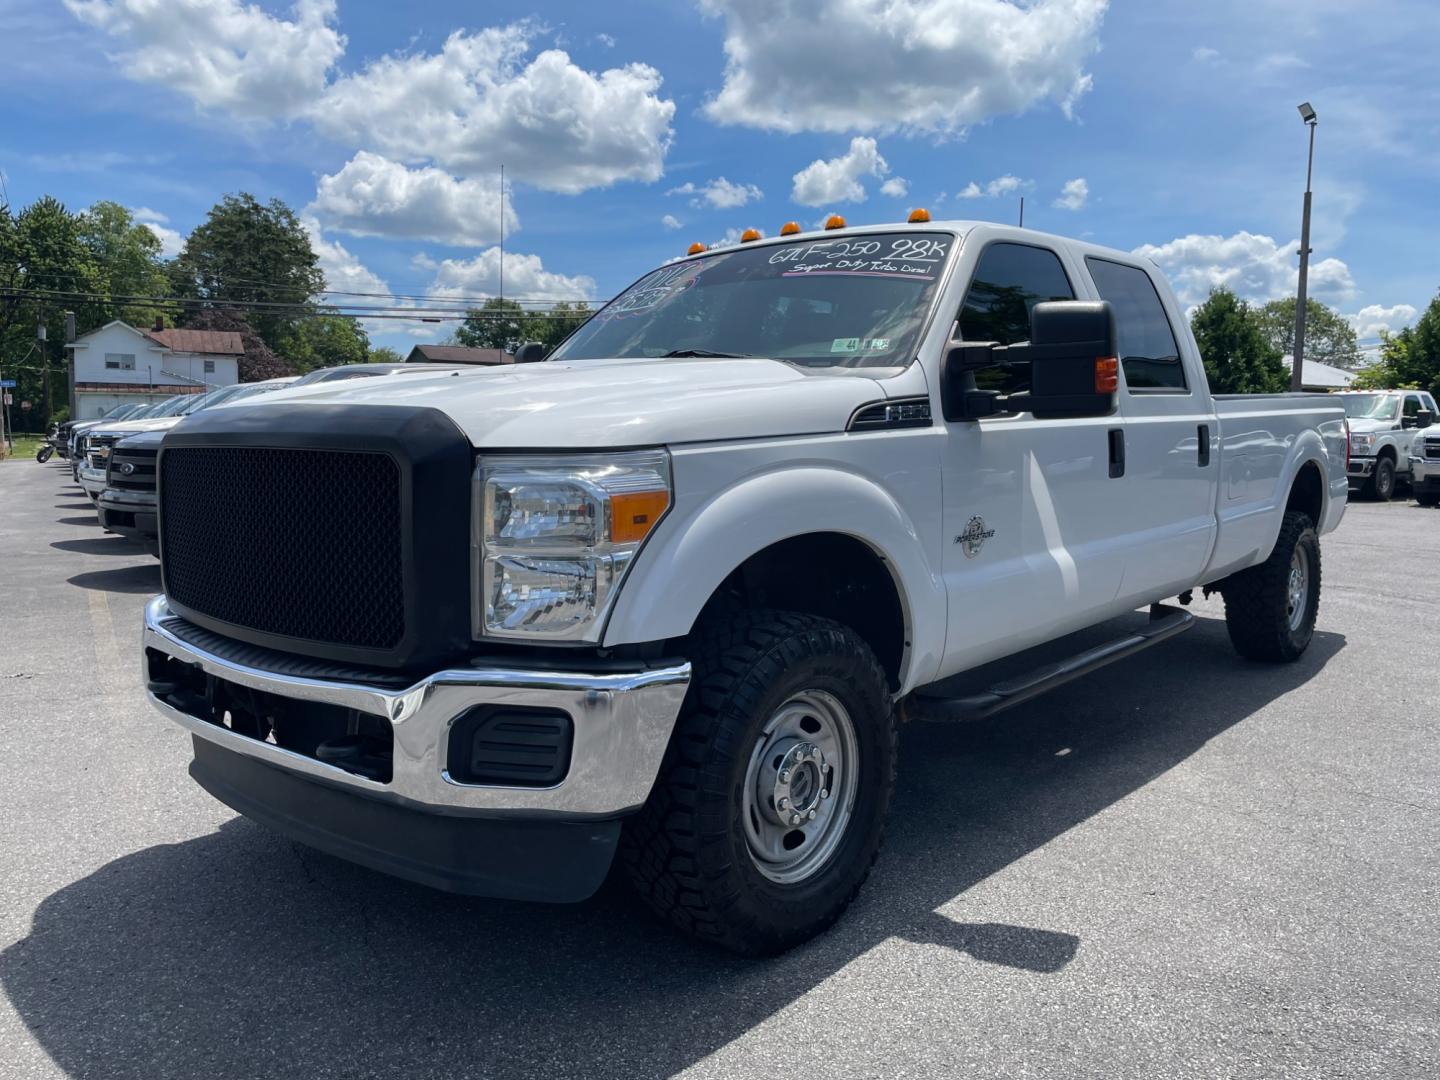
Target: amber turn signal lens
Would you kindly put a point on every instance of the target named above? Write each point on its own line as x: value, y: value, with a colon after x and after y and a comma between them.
x: 634, y: 513
x: 1107, y: 375
x: 790, y: 228
x: 919, y: 214
x: 695, y: 248
x: 749, y: 235
x: 834, y: 221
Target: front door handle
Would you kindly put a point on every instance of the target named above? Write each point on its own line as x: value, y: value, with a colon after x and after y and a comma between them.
x: 1203, y: 432
x: 1117, y: 452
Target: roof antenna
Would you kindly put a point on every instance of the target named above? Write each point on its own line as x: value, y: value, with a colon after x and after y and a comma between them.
x: 1022, y: 211
x: 502, y: 230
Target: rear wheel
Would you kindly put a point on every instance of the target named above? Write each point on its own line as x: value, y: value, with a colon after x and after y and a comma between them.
x: 771, y: 804
x: 1427, y: 498
x: 1270, y: 609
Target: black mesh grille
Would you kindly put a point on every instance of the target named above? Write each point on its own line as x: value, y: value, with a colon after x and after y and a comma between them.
x: 300, y: 543
x: 140, y: 474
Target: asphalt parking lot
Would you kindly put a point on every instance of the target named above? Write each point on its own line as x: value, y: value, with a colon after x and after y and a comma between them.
x: 1184, y: 865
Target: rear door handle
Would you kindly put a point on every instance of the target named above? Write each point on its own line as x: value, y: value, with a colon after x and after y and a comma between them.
x: 1117, y: 452
x: 1203, y: 431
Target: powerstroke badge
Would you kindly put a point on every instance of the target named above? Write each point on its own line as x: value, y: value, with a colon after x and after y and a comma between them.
x: 974, y: 537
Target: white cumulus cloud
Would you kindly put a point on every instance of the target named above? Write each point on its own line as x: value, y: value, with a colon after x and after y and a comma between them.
x: 171, y: 240
x: 525, y: 278
x: 224, y: 54
x: 1253, y: 266
x: 1373, y: 319
x: 897, y: 187
x: 839, y: 179
x: 918, y: 65
x: 476, y: 104
x: 720, y: 193
x: 670, y: 221
x: 344, y: 272
x: 481, y: 100
x: 374, y: 196
x: 994, y: 189
x: 1073, y: 195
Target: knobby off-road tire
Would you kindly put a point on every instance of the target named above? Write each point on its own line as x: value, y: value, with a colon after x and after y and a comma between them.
x: 1381, y: 485
x: 1265, y: 617
x: 691, y: 853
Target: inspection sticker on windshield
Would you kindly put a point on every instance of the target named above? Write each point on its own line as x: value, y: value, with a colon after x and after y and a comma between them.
x: 845, y: 344
x: 855, y: 344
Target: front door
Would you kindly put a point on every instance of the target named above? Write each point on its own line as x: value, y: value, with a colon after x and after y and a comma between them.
x: 1029, y: 553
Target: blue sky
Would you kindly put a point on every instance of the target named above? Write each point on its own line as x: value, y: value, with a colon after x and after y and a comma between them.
x: 1163, y: 126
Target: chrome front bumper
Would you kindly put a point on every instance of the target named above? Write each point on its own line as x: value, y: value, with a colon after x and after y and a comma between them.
x: 622, y: 724
x: 92, y: 480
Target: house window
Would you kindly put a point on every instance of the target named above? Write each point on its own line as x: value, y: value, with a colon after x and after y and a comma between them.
x: 115, y: 361
x: 209, y: 367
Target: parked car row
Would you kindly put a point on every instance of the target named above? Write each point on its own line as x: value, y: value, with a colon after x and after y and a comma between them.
x: 1386, y: 440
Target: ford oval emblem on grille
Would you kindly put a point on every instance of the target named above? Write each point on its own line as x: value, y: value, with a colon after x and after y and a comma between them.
x: 125, y: 468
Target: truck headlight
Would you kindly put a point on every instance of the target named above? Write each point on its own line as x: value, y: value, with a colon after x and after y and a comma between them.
x: 1361, y: 443
x: 554, y: 537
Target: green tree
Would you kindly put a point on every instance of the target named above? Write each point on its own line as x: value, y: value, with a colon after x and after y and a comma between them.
x: 247, y: 251
x: 1329, y: 339
x: 323, y: 341
x: 125, y: 258
x: 564, y: 318
x: 495, y: 324
x: 41, y: 253
x: 1238, y: 358
x: 384, y: 354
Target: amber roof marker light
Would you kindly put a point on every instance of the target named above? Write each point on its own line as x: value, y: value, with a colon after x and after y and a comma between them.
x: 918, y: 215
x: 790, y: 228
x: 695, y: 248
x: 834, y: 221
x: 749, y: 236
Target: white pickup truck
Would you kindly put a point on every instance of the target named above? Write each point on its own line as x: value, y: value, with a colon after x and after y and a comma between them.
x: 669, y: 593
x: 1383, y: 427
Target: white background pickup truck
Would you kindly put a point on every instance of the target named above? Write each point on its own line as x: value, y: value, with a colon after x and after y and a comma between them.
x: 669, y: 592
x: 1383, y: 427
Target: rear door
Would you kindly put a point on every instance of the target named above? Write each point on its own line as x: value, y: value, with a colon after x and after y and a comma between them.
x: 1166, y: 519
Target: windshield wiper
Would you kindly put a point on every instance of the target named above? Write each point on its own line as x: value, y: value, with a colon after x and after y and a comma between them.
x: 677, y: 353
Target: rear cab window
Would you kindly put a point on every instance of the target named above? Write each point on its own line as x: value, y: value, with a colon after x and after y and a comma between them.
x: 1144, y: 338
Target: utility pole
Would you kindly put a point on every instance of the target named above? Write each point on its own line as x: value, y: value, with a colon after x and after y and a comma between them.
x: 502, y: 231
x: 1297, y: 366
x: 70, y: 360
x: 1022, y: 211
x: 44, y: 373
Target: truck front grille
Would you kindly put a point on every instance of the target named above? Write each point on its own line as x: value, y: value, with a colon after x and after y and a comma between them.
x: 1432, y: 449
x: 140, y: 474
x: 304, y: 544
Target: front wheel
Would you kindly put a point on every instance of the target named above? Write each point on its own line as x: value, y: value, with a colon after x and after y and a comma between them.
x: 1428, y: 498
x: 1270, y: 609
x: 1382, y: 480
x: 771, y: 804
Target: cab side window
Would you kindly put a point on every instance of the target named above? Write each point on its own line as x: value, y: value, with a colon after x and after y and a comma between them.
x: 1144, y: 339
x: 1009, y: 281
x: 1412, y: 411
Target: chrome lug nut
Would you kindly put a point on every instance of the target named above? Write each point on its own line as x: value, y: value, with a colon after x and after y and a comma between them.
x: 794, y: 819
x: 784, y: 776
x: 781, y: 803
x: 812, y: 815
x: 825, y: 793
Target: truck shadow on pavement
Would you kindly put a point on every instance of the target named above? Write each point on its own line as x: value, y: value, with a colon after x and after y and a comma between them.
x: 125, y: 579
x: 99, y: 545
x: 239, y: 954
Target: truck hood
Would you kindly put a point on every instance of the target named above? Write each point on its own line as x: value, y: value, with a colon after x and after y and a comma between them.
x: 131, y: 427
x: 612, y: 403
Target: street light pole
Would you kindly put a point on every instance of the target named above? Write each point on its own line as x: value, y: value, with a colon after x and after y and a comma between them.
x: 1297, y: 365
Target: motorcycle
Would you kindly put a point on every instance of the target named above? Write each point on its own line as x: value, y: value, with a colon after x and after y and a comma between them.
x: 47, y: 448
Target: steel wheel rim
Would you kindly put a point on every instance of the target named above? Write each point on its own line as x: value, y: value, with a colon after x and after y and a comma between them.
x: 806, y: 759
x: 1297, y: 588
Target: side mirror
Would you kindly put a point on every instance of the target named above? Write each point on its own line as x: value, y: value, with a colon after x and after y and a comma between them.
x: 532, y: 352
x: 1073, y: 367
x: 1424, y: 418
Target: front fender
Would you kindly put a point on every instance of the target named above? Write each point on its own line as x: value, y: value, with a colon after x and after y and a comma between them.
x: 697, y: 547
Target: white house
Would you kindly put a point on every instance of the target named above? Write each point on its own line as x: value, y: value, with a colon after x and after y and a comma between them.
x: 118, y: 363
x: 1321, y: 377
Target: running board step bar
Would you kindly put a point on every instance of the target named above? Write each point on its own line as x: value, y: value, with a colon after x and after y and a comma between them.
x: 1165, y: 623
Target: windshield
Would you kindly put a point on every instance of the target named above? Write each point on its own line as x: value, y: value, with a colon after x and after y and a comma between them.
x: 331, y: 374
x: 858, y: 301
x: 170, y: 407
x: 1371, y: 406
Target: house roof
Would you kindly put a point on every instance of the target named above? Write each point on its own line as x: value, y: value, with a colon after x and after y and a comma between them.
x: 215, y: 342
x: 1315, y: 373
x: 457, y: 354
